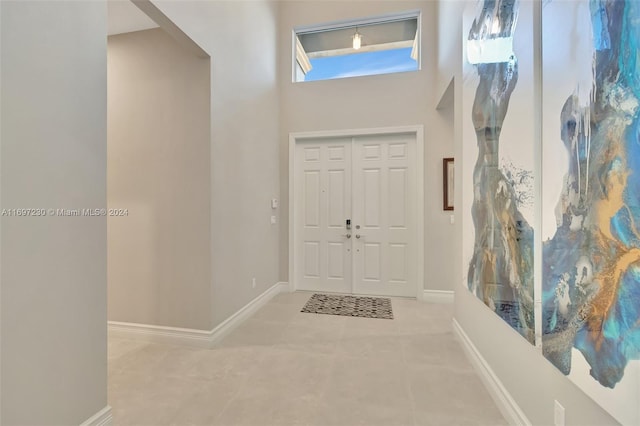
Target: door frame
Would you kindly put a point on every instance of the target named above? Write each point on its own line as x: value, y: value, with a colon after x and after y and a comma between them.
x: 418, y: 131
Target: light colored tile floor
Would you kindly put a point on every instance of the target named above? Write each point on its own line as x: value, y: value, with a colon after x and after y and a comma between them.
x: 284, y: 367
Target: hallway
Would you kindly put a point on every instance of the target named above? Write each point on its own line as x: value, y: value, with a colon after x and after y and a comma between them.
x: 284, y: 367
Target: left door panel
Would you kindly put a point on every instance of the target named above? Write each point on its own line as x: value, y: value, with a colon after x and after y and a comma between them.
x: 323, y: 194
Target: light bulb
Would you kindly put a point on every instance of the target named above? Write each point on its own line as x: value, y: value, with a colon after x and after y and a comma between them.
x: 357, y: 40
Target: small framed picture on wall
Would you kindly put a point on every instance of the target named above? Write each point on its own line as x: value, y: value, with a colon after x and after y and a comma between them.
x: 448, y: 188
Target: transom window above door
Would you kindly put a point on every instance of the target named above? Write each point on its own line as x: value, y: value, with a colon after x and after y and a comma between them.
x: 354, y: 48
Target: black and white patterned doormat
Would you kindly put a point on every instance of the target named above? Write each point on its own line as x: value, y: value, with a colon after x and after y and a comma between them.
x: 350, y: 306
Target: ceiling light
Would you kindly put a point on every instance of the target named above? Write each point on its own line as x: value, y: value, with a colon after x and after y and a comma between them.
x: 357, y: 40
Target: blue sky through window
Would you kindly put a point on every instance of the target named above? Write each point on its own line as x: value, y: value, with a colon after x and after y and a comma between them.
x: 359, y: 64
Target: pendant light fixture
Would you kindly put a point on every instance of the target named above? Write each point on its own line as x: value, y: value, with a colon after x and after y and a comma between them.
x: 357, y: 40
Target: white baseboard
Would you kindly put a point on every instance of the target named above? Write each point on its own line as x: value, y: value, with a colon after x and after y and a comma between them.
x: 438, y: 296
x: 160, y: 334
x: 226, y: 326
x: 101, y: 418
x: 501, y: 396
x: 193, y: 337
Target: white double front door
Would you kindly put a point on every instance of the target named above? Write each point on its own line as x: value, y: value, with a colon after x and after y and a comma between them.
x: 371, y: 182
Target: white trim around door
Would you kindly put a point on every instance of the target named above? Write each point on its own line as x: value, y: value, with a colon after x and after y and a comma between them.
x: 418, y: 131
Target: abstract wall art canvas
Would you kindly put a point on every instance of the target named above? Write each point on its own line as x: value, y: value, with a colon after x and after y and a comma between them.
x: 498, y: 159
x: 591, y: 198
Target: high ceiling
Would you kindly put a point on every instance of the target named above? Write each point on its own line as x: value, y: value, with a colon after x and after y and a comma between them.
x: 125, y: 17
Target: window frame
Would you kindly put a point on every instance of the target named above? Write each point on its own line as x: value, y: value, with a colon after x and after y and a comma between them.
x: 349, y: 23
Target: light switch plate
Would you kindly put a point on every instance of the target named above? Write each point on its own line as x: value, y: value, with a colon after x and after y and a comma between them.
x: 273, y: 220
x: 274, y: 203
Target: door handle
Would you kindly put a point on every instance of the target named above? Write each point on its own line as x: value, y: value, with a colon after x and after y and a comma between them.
x: 358, y: 235
x: 348, y: 235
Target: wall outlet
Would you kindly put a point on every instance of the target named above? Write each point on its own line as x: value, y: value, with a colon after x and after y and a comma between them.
x: 274, y: 203
x: 253, y: 283
x: 452, y: 219
x: 273, y: 220
x: 558, y: 414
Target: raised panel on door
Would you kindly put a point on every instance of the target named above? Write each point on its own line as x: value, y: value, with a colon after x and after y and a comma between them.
x: 384, y: 187
x: 398, y: 263
x: 323, y: 193
x: 336, y: 260
x: 372, y: 188
x: 336, y: 198
x: 311, y: 198
x: 311, y: 256
x: 397, y: 193
x: 371, y: 257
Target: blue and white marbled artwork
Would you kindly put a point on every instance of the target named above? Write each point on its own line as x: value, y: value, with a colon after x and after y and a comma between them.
x: 500, y: 266
x: 591, y: 254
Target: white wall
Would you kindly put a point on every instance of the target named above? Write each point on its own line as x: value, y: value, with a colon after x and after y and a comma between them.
x: 530, y: 379
x: 53, y: 155
x: 241, y: 39
x: 159, y: 170
x: 367, y: 102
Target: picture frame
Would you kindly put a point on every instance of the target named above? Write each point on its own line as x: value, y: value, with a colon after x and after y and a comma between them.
x: 448, y: 183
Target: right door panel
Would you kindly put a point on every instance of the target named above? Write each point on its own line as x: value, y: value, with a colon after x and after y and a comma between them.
x: 384, y: 247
